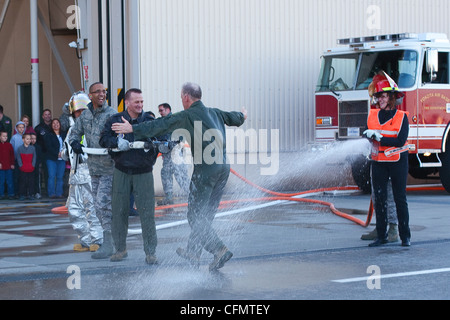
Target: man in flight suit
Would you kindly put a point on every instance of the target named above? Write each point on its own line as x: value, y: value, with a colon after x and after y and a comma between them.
x: 133, y: 173
x: 211, y: 170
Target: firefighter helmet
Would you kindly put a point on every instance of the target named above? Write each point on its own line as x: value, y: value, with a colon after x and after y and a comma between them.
x: 383, y: 83
x: 79, y: 101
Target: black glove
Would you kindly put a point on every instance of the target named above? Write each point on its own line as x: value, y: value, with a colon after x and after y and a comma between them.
x: 77, y: 147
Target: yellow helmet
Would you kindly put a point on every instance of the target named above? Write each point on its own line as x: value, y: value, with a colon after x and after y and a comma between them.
x: 79, y: 101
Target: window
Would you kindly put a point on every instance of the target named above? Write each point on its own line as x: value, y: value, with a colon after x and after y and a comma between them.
x: 338, y: 73
x: 442, y: 76
x: 25, y: 105
x: 400, y: 65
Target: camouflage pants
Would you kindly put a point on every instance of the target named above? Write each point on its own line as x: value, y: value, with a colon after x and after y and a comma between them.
x: 171, y: 170
x: 391, y: 209
x: 101, y: 192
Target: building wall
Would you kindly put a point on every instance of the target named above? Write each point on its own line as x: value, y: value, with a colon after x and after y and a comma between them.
x: 263, y: 54
x: 15, y: 55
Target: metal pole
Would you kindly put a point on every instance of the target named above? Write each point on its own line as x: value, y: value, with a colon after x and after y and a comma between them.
x: 134, y: 56
x: 35, y: 92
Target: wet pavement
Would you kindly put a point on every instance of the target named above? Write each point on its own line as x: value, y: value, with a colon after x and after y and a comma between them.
x: 282, y: 251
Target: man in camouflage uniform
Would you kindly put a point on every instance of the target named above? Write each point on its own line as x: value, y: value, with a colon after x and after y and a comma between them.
x: 172, y: 168
x: 101, y: 167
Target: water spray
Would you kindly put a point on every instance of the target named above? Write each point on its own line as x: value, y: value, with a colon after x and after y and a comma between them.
x: 276, y: 198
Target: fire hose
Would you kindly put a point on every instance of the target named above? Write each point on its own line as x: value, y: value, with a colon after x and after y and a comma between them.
x: 293, y: 197
x: 276, y: 196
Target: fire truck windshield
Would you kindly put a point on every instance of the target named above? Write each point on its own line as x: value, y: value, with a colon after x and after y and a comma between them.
x: 355, y: 71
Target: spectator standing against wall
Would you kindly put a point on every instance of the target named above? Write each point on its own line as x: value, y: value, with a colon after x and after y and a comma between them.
x: 26, y: 160
x: 37, y: 176
x: 41, y: 130
x: 28, y: 128
x: 7, y: 160
x: 17, y: 141
x: 6, y: 123
x: 56, y: 166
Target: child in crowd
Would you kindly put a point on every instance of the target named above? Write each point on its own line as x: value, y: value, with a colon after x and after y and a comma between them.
x: 26, y: 159
x: 37, y: 171
x: 6, y: 166
x: 17, y: 141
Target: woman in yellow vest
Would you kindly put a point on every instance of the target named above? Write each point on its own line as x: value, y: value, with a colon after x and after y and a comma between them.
x: 388, y: 129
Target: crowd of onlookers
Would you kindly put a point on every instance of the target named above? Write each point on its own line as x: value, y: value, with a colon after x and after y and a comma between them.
x: 30, y: 158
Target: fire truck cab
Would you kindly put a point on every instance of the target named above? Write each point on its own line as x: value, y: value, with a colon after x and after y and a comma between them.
x: 419, y: 64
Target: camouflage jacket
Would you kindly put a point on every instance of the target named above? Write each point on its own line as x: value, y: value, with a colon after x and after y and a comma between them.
x: 90, y: 124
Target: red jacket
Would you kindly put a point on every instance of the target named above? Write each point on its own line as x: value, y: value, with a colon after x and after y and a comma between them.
x: 27, y: 163
x: 6, y: 155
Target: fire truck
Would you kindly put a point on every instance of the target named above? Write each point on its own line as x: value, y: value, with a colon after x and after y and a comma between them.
x: 419, y: 64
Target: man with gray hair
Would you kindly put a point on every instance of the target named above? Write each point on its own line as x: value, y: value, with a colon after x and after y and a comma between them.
x: 211, y: 171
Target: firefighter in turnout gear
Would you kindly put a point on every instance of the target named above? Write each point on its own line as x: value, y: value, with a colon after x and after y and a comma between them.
x: 388, y: 128
x: 206, y: 127
x: 80, y: 202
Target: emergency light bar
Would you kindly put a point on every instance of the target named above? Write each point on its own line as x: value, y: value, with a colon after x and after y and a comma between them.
x: 429, y: 37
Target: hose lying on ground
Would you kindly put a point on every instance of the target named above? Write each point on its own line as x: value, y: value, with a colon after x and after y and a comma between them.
x: 277, y: 196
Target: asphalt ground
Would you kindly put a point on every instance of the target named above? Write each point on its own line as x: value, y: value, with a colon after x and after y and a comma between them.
x: 284, y: 251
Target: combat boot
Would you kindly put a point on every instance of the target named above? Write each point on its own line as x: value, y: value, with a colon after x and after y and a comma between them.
x: 106, y: 249
x: 378, y: 242
x: 119, y: 256
x: 151, y: 259
x: 167, y: 201
x: 220, y: 259
x: 94, y: 247
x: 80, y: 248
x: 193, y: 259
x: 370, y: 236
x: 393, y: 233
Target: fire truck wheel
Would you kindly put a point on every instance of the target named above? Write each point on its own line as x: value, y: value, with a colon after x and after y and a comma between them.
x: 444, y: 171
x: 361, y: 173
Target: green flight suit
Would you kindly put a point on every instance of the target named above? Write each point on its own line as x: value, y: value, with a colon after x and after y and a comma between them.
x: 206, y: 129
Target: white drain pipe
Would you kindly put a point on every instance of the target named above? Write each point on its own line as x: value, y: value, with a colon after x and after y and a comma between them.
x: 35, y: 93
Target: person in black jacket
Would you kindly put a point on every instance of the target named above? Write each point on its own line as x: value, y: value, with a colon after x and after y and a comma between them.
x: 133, y: 173
x: 39, y: 160
x: 56, y: 166
x: 43, y: 128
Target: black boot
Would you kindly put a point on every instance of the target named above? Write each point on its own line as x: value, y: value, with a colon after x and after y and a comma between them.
x: 406, y: 242
x: 378, y: 242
